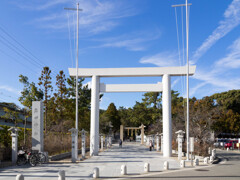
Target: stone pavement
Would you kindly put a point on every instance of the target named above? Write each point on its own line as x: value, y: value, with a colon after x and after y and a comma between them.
x: 109, y: 163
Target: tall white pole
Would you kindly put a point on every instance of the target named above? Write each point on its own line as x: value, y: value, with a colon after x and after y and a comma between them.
x: 187, y: 28
x: 77, y: 73
x: 76, y: 136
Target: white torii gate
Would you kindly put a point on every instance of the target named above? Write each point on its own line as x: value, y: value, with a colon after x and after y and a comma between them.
x: 165, y: 87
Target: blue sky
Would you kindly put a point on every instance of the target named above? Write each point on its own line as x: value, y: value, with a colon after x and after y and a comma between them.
x: 114, y: 33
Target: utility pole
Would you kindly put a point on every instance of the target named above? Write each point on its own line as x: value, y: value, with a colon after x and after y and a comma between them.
x: 76, y: 123
x: 187, y: 39
x: 187, y: 29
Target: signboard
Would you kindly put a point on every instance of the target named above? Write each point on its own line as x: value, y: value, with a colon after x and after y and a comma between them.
x: 191, y: 144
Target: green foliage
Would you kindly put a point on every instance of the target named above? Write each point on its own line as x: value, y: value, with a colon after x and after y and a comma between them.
x: 29, y: 93
x: 152, y: 98
x: 228, y: 100
x: 113, y: 117
x: 124, y: 115
x: 45, y: 82
x: 11, y: 114
x: 6, y: 139
x: 141, y: 115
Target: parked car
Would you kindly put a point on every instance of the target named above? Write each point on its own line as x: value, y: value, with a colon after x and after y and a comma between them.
x: 220, y: 143
x: 231, y: 144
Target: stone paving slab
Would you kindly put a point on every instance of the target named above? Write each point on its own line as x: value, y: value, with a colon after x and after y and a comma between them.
x: 109, y: 163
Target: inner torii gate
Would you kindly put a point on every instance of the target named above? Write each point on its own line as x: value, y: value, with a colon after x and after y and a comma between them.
x: 165, y: 87
x: 122, y: 128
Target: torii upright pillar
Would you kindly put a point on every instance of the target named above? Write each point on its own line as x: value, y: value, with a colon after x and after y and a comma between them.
x: 94, y: 129
x: 167, y: 118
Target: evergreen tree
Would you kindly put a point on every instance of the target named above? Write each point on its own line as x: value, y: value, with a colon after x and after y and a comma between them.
x: 29, y: 93
x: 113, y: 117
x: 45, y: 82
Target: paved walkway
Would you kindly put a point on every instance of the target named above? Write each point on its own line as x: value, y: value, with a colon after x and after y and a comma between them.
x: 109, y: 163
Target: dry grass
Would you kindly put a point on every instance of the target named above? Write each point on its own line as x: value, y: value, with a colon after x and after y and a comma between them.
x: 56, y: 143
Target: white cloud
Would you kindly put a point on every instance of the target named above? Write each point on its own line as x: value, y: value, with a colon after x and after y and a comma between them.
x: 39, y: 5
x: 161, y: 59
x: 174, y: 82
x: 96, y: 17
x: 137, y: 41
x: 231, y: 20
x: 231, y: 60
x: 10, y: 89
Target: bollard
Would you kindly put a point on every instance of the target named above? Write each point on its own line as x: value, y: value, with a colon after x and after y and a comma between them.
x: 19, y: 177
x: 123, y: 170
x: 209, y: 150
x: 214, y: 153
x: 211, y: 159
x: 206, y: 160
x: 146, y: 167
x: 61, y: 175
x: 196, y: 162
x: 182, y: 164
x: 95, y: 173
x: 166, y: 165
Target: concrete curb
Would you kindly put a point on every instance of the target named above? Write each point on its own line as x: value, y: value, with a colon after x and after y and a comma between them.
x: 65, y: 155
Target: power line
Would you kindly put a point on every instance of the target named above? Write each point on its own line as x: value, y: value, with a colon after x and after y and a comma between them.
x: 24, y: 65
x: 33, y: 58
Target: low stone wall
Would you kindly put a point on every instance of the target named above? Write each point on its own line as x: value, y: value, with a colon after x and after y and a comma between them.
x: 64, y: 155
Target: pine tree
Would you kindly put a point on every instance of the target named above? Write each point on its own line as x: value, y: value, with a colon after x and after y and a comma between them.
x: 45, y: 82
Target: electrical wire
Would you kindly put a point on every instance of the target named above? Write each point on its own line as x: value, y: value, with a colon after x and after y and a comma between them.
x: 16, y: 60
x: 179, y: 53
x: 34, y: 59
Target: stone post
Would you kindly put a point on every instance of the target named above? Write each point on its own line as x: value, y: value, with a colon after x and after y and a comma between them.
x: 166, y: 165
x: 123, y: 170
x: 180, y: 141
x: 83, y: 143
x: 147, y: 142
x: 37, y: 126
x: 19, y: 177
x: 95, y: 173
x: 146, y: 167
x: 167, y: 117
x: 153, y: 141
x: 121, y: 132
x: 74, y: 134
x: 161, y: 142
x: 214, y: 153
x: 102, y: 143
x: 196, y: 162
x: 61, y: 175
x: 94, y: 130
x: 182, y: 164
x: 157, y: 141
x: 106, y: 143
x: 14, y: 134
x: 110, y: 141
x: 142, y: 134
